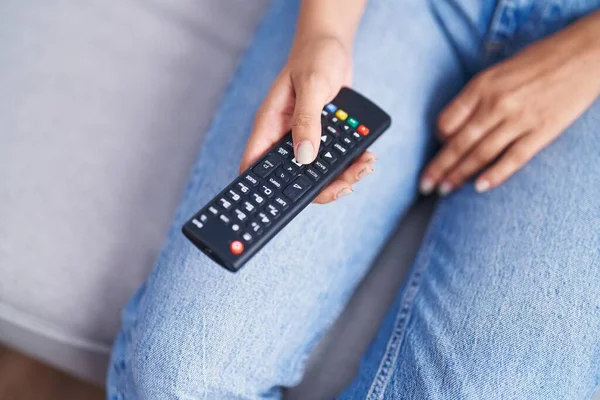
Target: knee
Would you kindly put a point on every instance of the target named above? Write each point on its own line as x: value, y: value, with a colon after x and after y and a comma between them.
x: 206, y: 341
x: 172, y: 357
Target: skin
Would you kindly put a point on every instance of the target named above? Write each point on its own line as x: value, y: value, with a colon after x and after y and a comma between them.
x: 507, y: 113
x: 513, y: 110
x: 319, y: 64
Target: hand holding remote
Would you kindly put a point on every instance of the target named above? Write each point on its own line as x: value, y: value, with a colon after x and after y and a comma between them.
x: 266, y: 196
x: 316, y: 70
x: 308, y: 143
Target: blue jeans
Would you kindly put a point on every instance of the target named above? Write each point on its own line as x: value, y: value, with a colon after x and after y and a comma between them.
x: 503, y: 300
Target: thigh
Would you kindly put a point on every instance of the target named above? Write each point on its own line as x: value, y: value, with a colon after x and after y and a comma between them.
x: 195, y: 328
x: 509, y: 299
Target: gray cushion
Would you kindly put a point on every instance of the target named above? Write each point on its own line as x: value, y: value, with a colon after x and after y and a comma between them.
x: 101, y: 113
x: 102, y: 110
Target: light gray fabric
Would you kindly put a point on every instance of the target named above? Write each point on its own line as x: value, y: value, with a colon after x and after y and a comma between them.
x: 102, y: 110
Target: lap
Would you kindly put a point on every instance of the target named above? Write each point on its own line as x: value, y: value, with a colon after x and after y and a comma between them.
x: 195, y: 326
x: 508, y: 298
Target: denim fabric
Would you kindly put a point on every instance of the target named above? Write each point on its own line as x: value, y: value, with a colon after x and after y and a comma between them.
x: 517, y: 23
x: 503, y: 300
x: 493, y: 272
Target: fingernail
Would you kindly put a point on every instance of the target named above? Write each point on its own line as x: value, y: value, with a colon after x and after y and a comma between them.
x: 364, y: 172
x: 342, y: 193
x: 482, y: 186
x: 305, y: 152
x: 445, y: 188
x: 426, y: 186
x: 372, y: 160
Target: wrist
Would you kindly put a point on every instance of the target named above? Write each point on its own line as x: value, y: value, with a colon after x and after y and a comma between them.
x: 320, y: 19
x: 591, y: 25
x: 321, y: 39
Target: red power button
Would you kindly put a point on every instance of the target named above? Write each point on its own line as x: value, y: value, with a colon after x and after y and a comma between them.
x: 236, y: 247
x: 363, y: 130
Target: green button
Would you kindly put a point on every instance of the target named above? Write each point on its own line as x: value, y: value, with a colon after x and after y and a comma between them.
x: 352, y: 122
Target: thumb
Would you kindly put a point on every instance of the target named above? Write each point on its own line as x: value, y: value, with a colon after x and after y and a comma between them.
x: 311, y: 96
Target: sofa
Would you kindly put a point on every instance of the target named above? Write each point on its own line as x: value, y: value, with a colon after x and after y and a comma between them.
x: 102, y: 111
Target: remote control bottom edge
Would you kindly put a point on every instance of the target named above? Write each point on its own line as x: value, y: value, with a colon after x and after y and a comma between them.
x: 207, y: 250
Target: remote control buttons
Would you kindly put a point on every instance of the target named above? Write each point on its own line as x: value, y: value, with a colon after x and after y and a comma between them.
x: 236, y: 247
x: 325, y: 139
x: 272, y: 211
x: 233, y: 195
x: 247, y: 237
x: 345, y: 127
x: 320, y: 166
x: 312, y: 174
x: 297, y: 188
x: 281, y: 202
x: 329, y: 156
x: 251, y: 179
x: 331, y: 108
x: 235, y: 227
x: 256, y: 228
x: 266, y: 166
x: 240, y: 215
x: 258, y: 199
x: 213, y: 210
x: 363, y: 130
x: 357, y: 136
x: 264, y: 219
x: 341, y: 114
x: 282, y: 151
x: 243, y: 188
x: 290, y: 168
x: 197, y: 223
x: 348, y: 142
x: 331, y: 130
x: 352, y: 122
x: 340, y: 149
x: 226, y: 204
x: 283, y: 175
x: 275, y: 183
x: 249, y: 207
x: 267, y: 191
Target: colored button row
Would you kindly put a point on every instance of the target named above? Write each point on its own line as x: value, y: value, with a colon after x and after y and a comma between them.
x: 343, y: 116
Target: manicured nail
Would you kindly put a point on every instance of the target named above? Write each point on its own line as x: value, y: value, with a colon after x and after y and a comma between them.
x: 366, y: 171
x: 445, y: 188
x: 305, y: 152
x: 426, y: 186
x: 342, y: 193
x: 482, y: 186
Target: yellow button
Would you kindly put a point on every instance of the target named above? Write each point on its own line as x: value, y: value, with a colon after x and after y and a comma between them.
x: 341, y: 114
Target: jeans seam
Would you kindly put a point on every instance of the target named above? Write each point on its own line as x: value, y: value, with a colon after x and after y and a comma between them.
x: 413, y: 284
x: 498, y: 29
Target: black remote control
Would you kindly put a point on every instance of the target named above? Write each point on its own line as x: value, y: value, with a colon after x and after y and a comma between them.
x: 250, y: 211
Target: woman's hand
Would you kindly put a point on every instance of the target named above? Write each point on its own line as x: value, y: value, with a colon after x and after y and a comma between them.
x: 320, y: 63
x: 315, y: 72
x: 511, y: 111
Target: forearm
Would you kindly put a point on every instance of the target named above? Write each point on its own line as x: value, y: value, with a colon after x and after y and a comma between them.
x: 337, y: 19
x: 586, y: 45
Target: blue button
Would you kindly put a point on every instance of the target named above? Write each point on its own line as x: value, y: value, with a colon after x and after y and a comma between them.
x: 331, y: 108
